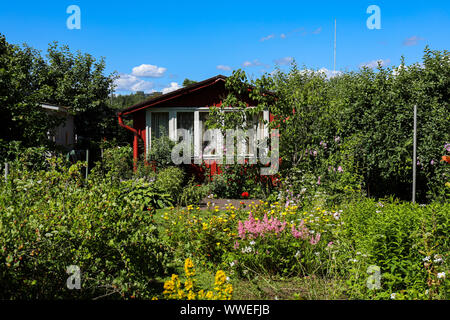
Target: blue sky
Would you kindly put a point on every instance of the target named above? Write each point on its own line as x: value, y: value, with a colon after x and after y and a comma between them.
x: 155, y: 45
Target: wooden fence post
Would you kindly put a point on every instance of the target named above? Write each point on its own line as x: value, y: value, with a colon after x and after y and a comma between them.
x: 87, y: 163
x: 6, y: 171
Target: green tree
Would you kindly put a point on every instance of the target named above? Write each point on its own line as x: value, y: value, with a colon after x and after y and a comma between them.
x: 21, y: 95
x: 188, y: 82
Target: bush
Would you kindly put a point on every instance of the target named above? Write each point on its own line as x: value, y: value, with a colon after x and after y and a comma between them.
x: 193, y: 193
x: 409, y: 243
x: 49, y: 222
x: 117, y: 162
x: 160, y: 153
x: 170, y: 180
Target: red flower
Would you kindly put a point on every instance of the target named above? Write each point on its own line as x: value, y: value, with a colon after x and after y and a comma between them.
x: 244, y: 194
x: 446, y: 159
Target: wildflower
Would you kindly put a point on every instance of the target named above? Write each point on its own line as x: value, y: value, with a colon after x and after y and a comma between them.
x: 252, y: 243
x: 441, y: 275
x: 340, y: 169
x: 426, y: 259
x: 393, y: 295
x: 297, y: 254
x: 446, y: 159
x: 318, y: 181
x: 447, y: 147
x: 330, y: 244
x: 315, y: 240
x: 189, y: 267
x: 245, y: 194
x: 221, y: 278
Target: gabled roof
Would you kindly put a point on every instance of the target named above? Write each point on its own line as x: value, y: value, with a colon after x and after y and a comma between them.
x: 172, y: 95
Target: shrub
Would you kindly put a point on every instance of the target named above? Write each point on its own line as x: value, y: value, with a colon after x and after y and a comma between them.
x: 193, y: 193
x: 49, y: 222
x: 117, y: 162
x: 408, y: 242
x: 161, y: 151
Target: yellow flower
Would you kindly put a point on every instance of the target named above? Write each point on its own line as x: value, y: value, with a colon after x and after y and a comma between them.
x: 221, y: 278
x: 189, y: 284
x: 191, y: 295
x: 189, y: 267
x: 209, y: 295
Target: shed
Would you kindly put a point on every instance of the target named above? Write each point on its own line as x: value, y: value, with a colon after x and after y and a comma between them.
x: 185, y: 108
x: 63, y: 135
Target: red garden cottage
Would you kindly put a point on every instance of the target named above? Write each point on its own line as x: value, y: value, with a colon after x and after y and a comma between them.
x: 186, y: 108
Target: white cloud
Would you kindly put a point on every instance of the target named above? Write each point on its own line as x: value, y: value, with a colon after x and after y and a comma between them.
x: 254, y: 63
x: 128, y: 82
x: 412, y: 41
x: 374, y: 63
x: 149, y: 71
x: 224, y: 68
x: 173, y: 86
x: 270, y: 36
x: 284, y: 61
x: 318, y: 30
x: 329, y: 73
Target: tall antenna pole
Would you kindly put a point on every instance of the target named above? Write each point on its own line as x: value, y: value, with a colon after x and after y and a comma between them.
x: 414, y: 155
x: 334, y: 69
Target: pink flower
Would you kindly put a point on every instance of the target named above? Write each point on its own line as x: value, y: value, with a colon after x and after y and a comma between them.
x: 318, y: 181
x: 315, y: 240
x: 340, y: 169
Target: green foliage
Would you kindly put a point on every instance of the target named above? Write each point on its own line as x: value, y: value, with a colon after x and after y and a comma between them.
x: 146, y: 195
x: 170, y: 180
x: 117, y: 162
x: 193, y: 193
x: 370, y: 112
x: 408, y: 242
x: 188, y: 82
x: 21, y: 95
x: 49, y: 221
x: 235, y: 179
x: 160, y: 152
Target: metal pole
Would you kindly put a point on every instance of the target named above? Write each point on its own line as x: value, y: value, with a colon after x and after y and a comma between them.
x: 334, y: 69
x: 6, y: 171
x: 414, y: 156
x: 87, y: 163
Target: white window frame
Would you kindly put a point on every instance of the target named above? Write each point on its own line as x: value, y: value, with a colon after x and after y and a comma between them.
x: 197, y: 127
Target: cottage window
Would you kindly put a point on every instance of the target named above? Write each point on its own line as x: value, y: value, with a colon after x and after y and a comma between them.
x: 160, y: 124
x: 185, y: 120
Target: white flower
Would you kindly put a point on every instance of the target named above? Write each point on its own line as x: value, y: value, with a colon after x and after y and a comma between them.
x: 427, y: 258
x: 228, y: 278
x: 393, y: 295
x: 297, y: 254
x: 252, y: 243
x: 247, y: 250
x: 438, y: 260
x: 232, y: 264
x: 441, y: 275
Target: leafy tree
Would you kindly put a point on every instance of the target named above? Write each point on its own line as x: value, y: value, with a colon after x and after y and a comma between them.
x: 21, y: 95
x: 188, y: 82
